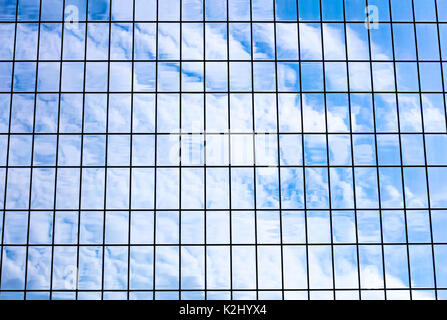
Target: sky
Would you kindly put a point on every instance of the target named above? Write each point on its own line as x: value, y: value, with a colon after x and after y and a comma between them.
x: 280, y: 155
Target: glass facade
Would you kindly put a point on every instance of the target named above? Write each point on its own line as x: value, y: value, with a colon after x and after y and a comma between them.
x: 223, y: 149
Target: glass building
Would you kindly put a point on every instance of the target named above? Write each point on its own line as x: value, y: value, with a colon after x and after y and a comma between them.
x: 223, y: 149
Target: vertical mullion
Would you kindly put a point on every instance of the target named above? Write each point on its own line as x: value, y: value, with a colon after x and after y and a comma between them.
x: 425, y: 147
x: 106, y: 154
x: 401, y: 153
x: 278, y: 152
x: 9, y: 141
x: 82, y: 157
x: 180, y: 166
x: 377, y: 157
x: 230, y: 216
x: 444, y: 99
x: 155, y: 151
x: 131, y: 152
x: 254, y: 148
x: 327, y: 148
x: 352, y: 150
x: 204, y: 153
x: 32, y: 151
x: 441, y: 60
x: 57, y: 153
x: 302, y: 152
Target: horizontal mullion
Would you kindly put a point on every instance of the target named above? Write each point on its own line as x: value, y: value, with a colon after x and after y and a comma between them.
x: 228, y: 210
x: 227, y: 21
x: 211, y: 133
x: 225, y: 61
x: 259, y: 244
x: 226, y: 290
x: 222, y: 92
x: 201, y: 166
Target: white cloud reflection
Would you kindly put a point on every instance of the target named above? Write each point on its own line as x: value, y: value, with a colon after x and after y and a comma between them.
x: 123, y: 189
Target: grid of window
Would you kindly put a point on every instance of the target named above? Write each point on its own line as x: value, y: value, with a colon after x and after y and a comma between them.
x: 223, y: 149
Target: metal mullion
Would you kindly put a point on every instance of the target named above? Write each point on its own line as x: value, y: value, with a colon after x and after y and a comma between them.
x: 425, y: 149
x: 254, y: 149
x: 32, y: 151
x: 278, y: 152
x: 232, y: 21
x: 327, y: 149
x: 230, y: 215
x: 82, y: 158
x: 401, y: 154
x: 57, y: 154
x: 9, y: 142
x: 217, y: 92
x: 441, y: 62
x: 204, y: 155
x: 224, y: 290
x: 352, y: 151
x: 303, y: 154
x: 131, y: 154
x: 214, y: 134
x: 180, y: 164
x: 106, y: 155
x: 155, y: 152
x: 343, y: 244
x: 444, y: 99
x: 377, y: 157
x: 207, y: 60
x: 225, y: 209
x: 221, y: 166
